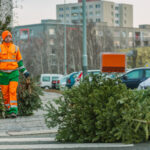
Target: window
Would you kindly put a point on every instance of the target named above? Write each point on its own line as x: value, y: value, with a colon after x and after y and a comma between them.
x: 117, y: 33
x: 97, y: 6
x: 51, y: 31
x: 97, y: 13
x: 125, y: 21
x: 117, y: 15
x: 123, y: 34
x: 98, y: 20
x: 55, y: 78
x: 61, y: 16
x: 46, y: 79
x: 112, y: 6
x: 53, y: 51
x: 91, y: 13
x: 130, y: 34
x: 117, y: 22
x: 75, y: 8
x: 136, y: 74
x: 67, y: 15
x: 90, y: 20
x: 31, y: 32
x: 51, y: 42
x: 147, y: 73
x: 112, y: 13
x: 74, y: 15
x: 130, y: 43
x: 116, y: 8
x: 101, y: 33
x: 67, y: 8
x: 90, y: 6
x: 24, y: 35
x: 96, y: 72
x: 117, y: 43
x: 61, y: 9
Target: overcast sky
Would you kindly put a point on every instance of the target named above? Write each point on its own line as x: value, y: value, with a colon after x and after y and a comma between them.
x: 33, y: 11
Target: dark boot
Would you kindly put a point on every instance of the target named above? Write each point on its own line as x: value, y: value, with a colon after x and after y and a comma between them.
x: 13, y: 115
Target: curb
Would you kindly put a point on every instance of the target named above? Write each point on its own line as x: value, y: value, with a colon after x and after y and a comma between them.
x: 12, y: 133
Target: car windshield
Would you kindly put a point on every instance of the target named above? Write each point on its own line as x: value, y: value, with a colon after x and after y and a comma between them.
x: 46, y: 79
x: 75, y: 75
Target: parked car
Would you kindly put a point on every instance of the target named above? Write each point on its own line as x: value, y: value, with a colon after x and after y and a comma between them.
x: 145, y: 84
x: 133, y: 78
x: 46, y: 80
x: 71, y: 79
x: 80, y: 76
x: 61, y: 83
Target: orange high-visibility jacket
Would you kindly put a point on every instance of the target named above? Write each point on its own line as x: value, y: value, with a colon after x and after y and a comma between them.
x: 9, y: 57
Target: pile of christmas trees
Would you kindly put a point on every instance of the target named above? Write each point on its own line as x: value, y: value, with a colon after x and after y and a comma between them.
x: 102, y: 110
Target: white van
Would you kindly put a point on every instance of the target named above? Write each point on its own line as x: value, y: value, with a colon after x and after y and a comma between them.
x: 46, y: 80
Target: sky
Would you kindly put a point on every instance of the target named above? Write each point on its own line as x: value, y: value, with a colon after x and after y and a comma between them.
x: 32, y: 11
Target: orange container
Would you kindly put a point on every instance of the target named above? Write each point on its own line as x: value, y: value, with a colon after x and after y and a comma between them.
x: 113, y: 62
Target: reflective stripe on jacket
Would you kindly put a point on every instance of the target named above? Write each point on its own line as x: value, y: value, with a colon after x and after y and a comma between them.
x: 9, y: 56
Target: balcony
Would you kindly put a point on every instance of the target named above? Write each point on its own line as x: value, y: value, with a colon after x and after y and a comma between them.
x: 76, y: 11
x: 76, y: 17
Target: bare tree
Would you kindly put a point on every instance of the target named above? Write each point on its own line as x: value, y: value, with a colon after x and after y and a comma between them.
x: 33, y: 54
x: 95, y: 45
x: 42, y: 57
x: 5, y: 14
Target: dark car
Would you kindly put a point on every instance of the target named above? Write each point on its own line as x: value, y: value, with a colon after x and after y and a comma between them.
x: 71, y: 79
x: 133, y: 78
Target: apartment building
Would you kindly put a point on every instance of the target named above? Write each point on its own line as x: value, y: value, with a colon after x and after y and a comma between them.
x: 114, y: 14
x: 125, y: 37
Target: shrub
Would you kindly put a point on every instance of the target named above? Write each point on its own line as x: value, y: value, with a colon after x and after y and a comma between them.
x: 103, y: 110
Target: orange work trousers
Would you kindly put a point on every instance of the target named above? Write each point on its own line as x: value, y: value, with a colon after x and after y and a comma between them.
x: 10, y: 96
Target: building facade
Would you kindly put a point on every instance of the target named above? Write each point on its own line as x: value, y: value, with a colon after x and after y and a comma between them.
x: 114, y: 14
x: 40, y: 39
x: 43, y: 44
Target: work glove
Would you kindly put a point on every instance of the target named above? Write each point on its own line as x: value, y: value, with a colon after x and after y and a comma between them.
x: 26, y: 74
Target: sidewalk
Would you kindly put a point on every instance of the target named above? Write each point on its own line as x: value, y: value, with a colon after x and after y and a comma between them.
x: 34, y: 124
x: 28, y: 133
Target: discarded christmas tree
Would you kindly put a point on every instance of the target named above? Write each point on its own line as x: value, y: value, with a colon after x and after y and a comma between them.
x: 2, y: 107
x: 28, y: 96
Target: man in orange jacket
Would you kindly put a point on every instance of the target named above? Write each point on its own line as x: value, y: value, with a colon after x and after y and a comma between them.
x: 10, y: 64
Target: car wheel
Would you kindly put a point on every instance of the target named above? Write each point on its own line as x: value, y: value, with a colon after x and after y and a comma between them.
x: 46, y: 87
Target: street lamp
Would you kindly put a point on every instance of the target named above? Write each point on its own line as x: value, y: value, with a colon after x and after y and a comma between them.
x: 65, y: 57
x: 84, y: 54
